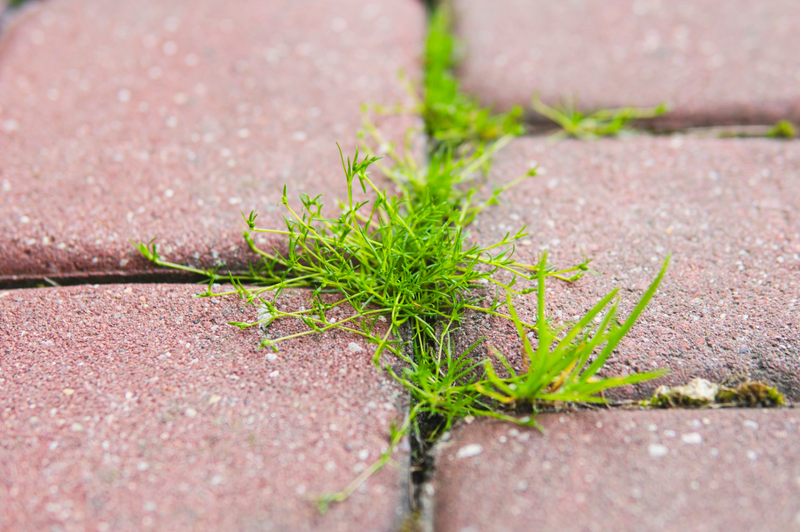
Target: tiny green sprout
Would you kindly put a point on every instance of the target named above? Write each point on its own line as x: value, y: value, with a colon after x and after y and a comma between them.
x: 250, y: 220
x: 149, y: 250
x: 783, y: 129
x: 602, y: 123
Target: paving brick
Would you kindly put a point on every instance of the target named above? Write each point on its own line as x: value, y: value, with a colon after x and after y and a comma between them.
x: 715, y: 62
x: 138, y: 119
x: 623, y: 470
x: 725, y: 209
x: 136, y: 407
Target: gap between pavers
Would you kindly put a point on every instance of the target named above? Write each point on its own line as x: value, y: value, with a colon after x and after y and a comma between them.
x: 131, y: 120
x: 714, y: 62
x: 700, y: 470
x: 131, y: 407
x: 725, y: 209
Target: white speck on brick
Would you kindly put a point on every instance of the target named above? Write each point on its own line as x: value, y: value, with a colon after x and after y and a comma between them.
x: 752, y: 455
x: 692, y: 438
x: 656, y: 450
x: 354, y: 347
x: 750, y: 424
x: 468, y: 451
x: 190, y: 412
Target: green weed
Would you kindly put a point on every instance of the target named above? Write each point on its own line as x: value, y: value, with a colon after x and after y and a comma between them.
x: 602, y: 123
x: 559, y: 369
x: 406, y: 259
x: 452, y: 117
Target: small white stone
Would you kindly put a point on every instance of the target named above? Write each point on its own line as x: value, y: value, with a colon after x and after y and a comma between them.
x: 692, y: 437
x: 468, y: 451
x: 354, y: 347
x: 190, y: 412
x: 656, y: 450
x: 750, y: 424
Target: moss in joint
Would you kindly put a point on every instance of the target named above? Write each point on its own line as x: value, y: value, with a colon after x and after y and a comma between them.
x: 703, y: 393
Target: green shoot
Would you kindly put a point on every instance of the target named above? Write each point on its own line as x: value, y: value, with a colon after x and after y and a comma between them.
x: 452, y: 117
x: 602, y: 123
x: 783, y: 129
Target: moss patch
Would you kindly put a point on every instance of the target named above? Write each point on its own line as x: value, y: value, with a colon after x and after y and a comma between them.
x: 703, y: 393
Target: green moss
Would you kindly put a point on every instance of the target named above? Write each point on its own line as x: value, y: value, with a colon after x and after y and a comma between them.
x: 701, y: 392
x: 750, y: 394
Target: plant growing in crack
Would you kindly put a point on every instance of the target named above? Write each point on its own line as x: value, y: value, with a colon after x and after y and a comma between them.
x: 589, y: 126
x: 407, y: 258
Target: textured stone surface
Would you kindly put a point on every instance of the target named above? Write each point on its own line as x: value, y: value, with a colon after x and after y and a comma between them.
x: 138, y: 119
x: 139, y: 408
x: 714, y: 62
x: 629, y: 471
x: 725, y: 209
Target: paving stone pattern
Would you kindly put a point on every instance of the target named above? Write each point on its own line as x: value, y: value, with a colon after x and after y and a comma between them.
x: 725, y: 209
x: 713, y: 62
x: 131, y: 120
x: 637, y: 471
x: 136, y: 407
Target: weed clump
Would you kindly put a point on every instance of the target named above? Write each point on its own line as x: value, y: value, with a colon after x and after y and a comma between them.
x: 589, y: 126
x: 406, y: 258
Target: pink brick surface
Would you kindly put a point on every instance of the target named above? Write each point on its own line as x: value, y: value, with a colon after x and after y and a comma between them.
x: 138, y: 119
x: 136, y: 407
x: 637, y: 471
x: 725, y: 209
x: 714, y: 62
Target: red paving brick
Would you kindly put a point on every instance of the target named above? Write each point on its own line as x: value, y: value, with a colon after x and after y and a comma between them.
x: 726, y: 210
x: 705, y: 470
x: 716, y: 62
x: 131, y: 120
x: 139, y: 408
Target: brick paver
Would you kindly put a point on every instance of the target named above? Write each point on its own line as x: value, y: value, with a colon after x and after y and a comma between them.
x: 128, y: 407
x: 725, y: 209
x: 124, y: 119
x: 629, y: 471
x: 714, y: 62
